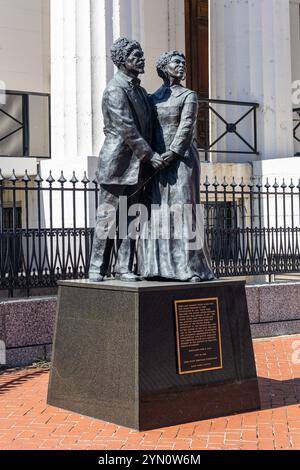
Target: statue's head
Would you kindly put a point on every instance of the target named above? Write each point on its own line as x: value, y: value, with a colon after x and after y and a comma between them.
x: 171, y: 64
x: 128, y: 54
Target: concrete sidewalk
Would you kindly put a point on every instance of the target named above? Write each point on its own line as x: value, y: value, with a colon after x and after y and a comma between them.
x: 27, y: 422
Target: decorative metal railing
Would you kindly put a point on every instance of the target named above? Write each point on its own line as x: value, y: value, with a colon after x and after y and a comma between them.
x: 46, y: 228
x: 296, y: 130
x: 219, y: 121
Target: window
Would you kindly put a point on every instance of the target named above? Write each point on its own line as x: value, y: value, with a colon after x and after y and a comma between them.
x: 222, y: 218
x: 25, y: 125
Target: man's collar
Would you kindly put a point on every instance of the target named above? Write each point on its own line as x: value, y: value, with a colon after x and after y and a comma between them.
x: 132, y: 81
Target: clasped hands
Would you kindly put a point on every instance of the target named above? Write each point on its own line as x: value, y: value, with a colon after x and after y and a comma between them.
x: 159, y: 162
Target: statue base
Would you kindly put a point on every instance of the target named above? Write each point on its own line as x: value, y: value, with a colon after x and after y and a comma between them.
x: 153, y: 354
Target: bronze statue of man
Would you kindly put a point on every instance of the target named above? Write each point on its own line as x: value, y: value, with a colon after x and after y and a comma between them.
x: 128, y: 131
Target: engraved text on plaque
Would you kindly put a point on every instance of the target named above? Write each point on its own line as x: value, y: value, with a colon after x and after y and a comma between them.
x: 198, y: 334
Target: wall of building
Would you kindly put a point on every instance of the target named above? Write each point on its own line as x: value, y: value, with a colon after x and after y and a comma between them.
x: 273, y: 311
x: 251, y: 61
x: 25, y: 45
x: 295, y: 38
x: 81, y: 36
x: 25, y: 66
x: 228, y: 170
x: 295, y: 47
x: 163, y: 30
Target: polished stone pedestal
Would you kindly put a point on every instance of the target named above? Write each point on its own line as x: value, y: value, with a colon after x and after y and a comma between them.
x: 116, y: 354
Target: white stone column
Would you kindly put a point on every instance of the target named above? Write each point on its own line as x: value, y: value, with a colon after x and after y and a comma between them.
x: 57, y: 80
x: 69, y: 79
x: 162, y: 29
x: 84, y: 41
x: 295, y: 44
x: 101, y: 23
x: 82, y: 32
x: 250, y: 60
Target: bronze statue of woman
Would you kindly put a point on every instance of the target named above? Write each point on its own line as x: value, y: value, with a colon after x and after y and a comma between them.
x: 175, y: 111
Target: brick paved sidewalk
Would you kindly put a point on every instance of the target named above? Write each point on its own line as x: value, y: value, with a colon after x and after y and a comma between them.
x: 27, y: 422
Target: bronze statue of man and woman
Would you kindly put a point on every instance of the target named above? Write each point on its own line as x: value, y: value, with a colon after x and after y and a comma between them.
x: 150, y: 158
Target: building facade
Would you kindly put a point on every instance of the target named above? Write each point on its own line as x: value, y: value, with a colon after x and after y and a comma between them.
x: 237, y: 50
x: 243, y: 61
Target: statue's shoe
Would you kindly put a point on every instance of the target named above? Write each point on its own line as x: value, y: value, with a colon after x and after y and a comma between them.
x: 96, y: 277
x: 195, y: 279
x: 209, y: 277
x: 127, y: 277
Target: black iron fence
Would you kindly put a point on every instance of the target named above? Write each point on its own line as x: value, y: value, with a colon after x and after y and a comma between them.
x: 46, y: 228
x: 253, y: 227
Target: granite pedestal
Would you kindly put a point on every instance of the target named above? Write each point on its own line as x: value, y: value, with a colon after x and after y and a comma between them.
x: 117, y: 353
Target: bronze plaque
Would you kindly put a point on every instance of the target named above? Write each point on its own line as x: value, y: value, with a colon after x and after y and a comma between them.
x: 199, y: 346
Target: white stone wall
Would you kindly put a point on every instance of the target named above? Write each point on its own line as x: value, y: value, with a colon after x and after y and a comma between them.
x: 251, y: 48
x: 251, y: 61
x: 163, y: 30
x: 25, y: 45
x: 295, y: 48
x: 81, y: 36
x: 295, y: 38
x: 25, y: 66
x: 281, y: 170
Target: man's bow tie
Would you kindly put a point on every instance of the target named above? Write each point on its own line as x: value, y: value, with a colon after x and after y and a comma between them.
x: 135, y: 82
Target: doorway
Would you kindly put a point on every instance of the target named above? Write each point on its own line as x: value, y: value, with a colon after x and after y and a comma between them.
x: 197, y: 46
x: 197, y: 55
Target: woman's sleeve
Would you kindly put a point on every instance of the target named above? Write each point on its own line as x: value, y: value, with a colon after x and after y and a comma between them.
x: 186, y: 130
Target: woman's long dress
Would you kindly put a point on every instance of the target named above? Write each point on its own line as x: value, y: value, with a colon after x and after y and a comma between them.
x: 174, y: 255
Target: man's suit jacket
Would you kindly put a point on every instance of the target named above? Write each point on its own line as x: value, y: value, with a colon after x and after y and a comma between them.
x: 127, y: 129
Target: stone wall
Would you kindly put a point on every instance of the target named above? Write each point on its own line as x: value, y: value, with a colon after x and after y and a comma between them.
x: 26, y: 326
x: 274, y: 309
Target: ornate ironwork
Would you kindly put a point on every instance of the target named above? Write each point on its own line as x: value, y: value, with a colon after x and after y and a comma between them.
x: 253, y: 228
x: 207, y: 110
x: 296, y: 128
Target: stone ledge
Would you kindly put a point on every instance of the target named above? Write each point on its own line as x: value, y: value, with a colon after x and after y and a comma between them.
x: 278, y: 302
x: 274, y: 310
x: 24, y: 356
x: 26, y: 327
x: 271, y: 329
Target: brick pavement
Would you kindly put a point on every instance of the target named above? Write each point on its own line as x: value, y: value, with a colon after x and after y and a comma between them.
x: 27, y: 422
